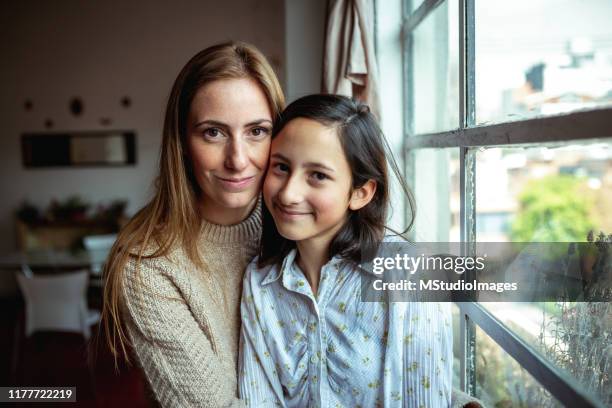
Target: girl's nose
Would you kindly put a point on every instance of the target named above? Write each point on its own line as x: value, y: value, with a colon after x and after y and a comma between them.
x: 291, y: 192
x: 237, y: 156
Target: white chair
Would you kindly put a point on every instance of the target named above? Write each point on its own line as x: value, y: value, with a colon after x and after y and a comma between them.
x: 57, y: 302
x: 98, y: 247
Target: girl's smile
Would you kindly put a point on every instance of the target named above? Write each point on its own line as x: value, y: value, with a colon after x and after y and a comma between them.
x: 288, y: 214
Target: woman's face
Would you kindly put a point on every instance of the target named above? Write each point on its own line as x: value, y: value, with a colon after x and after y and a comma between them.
x: 308, y: 186
x: 228, y: 136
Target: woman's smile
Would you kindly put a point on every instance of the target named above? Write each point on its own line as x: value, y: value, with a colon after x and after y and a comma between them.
x: 235, y: 184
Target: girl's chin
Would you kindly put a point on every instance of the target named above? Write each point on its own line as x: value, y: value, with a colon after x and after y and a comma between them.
x: 292, y: 234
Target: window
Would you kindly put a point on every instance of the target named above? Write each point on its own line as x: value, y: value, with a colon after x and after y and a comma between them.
x: 508, y: 137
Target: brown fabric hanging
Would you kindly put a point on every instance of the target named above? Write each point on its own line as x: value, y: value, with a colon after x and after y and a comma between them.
x: 349, y: 63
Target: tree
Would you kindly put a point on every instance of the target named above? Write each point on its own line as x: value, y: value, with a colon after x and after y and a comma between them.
x: 555, y: 208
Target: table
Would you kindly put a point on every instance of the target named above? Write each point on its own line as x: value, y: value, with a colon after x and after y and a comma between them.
x: 54, y: 260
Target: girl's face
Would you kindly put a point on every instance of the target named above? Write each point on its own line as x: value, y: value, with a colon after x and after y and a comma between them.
x: 308, y: 185
x: 228, y: 137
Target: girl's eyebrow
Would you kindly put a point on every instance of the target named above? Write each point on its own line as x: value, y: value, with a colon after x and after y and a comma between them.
x: 216, y: 123
x: 307, y: 164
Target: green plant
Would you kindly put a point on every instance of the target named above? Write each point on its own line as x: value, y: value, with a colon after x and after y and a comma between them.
x: 28, y: 212
x: 553, y: 209
x: 72, y: 208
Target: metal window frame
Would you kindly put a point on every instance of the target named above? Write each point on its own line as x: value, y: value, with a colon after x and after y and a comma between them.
x: 590, y: 125
x: 557, y: 383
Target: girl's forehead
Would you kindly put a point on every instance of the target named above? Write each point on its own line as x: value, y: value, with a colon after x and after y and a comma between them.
x: 308, y: 134
x: 304, y: 141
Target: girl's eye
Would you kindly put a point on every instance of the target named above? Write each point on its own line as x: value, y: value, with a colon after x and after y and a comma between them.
x: 319, y: 176
x: 282, y: 167
x: 260, y: 131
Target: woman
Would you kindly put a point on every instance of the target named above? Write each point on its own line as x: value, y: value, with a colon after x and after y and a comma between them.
x: 173, y: 282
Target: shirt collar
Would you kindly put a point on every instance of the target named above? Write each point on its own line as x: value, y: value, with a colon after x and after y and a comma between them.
x: 275, y: 273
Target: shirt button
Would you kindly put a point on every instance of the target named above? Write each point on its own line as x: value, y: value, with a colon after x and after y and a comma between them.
x: 313, y: 359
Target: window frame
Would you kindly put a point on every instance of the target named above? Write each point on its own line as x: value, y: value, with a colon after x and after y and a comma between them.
x: 592, y: 124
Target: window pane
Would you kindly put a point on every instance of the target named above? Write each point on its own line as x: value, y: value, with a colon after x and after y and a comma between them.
x: 502, y: 382
x: 553, y: 193
x: 412, y: 5
x: 434, y: 71
x: 574, y: 337
x: 436, y: 191
x: 543, y: 193
x: 541, y: 57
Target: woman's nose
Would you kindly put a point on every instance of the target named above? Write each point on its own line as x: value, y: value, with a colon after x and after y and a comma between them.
x: 237, y: 155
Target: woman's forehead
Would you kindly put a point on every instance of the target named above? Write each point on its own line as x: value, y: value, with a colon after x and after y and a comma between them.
x: 235, y: 102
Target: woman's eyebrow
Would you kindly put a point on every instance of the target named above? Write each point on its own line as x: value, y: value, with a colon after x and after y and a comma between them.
x: 258, y: 122
x: 216, y: 123
x: 212, y: 123
x: 307, y: 164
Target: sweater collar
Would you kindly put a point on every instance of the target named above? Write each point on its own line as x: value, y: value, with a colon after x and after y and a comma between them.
x: 246, y: 230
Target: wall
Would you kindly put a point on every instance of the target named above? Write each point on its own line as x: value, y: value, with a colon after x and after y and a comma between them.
x: 101, y: 51
x: 304, y: 42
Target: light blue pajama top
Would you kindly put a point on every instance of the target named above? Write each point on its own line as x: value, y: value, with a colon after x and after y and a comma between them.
x: 334, y: 350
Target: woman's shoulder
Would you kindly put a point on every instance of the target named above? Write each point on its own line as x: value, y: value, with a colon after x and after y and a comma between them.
x: 155, y: 260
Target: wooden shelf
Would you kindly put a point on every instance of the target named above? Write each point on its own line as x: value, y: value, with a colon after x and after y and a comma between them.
x: 59, y: 235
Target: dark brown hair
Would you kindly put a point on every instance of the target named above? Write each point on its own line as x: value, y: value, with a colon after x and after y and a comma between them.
x: 368, y: 155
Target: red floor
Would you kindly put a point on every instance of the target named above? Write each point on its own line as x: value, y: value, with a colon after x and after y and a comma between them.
x: 61, y: 359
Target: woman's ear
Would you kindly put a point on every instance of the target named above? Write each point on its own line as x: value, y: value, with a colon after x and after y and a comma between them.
x: 361, y: 196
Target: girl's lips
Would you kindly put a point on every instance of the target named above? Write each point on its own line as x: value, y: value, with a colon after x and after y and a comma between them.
x: 236, y: 183
x: 289, y: 214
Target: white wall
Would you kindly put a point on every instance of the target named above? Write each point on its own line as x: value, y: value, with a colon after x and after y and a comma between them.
x: 100, y: 51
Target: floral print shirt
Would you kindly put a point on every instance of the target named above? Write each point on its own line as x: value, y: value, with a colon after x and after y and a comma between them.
x: 335, y: 350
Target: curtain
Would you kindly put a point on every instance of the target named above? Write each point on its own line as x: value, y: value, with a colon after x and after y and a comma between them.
x: 349, y: 63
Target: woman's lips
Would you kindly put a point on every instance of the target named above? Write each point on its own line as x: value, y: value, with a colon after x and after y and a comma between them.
x: 236, y: 183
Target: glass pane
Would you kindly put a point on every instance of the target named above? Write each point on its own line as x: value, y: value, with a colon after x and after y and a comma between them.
x: 412, y: 5
x: 435, y: 72
x: 502, y: 382
x: 553, y: 193
x: 436, y: 190
x: 572, y: 336
x: 544, y: 193
x: 541, y: 57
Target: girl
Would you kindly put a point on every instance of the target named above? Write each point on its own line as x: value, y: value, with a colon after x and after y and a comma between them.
x: 172, y: 291
x: 307, y: 338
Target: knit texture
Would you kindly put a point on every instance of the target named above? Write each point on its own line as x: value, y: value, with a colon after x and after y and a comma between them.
x: 184, y: 322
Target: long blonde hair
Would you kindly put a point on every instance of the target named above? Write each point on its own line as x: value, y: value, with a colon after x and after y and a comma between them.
x: 171, y: 217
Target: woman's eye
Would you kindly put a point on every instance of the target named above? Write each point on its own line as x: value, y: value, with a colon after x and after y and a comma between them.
x: 259, y: 131
x: 212, y: 133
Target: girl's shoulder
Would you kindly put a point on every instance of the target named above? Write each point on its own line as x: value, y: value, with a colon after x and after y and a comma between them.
x: 257, y: 275
x: 395, y: 237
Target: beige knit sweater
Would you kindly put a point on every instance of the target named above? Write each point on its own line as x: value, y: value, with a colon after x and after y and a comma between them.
x: 185, y: 328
